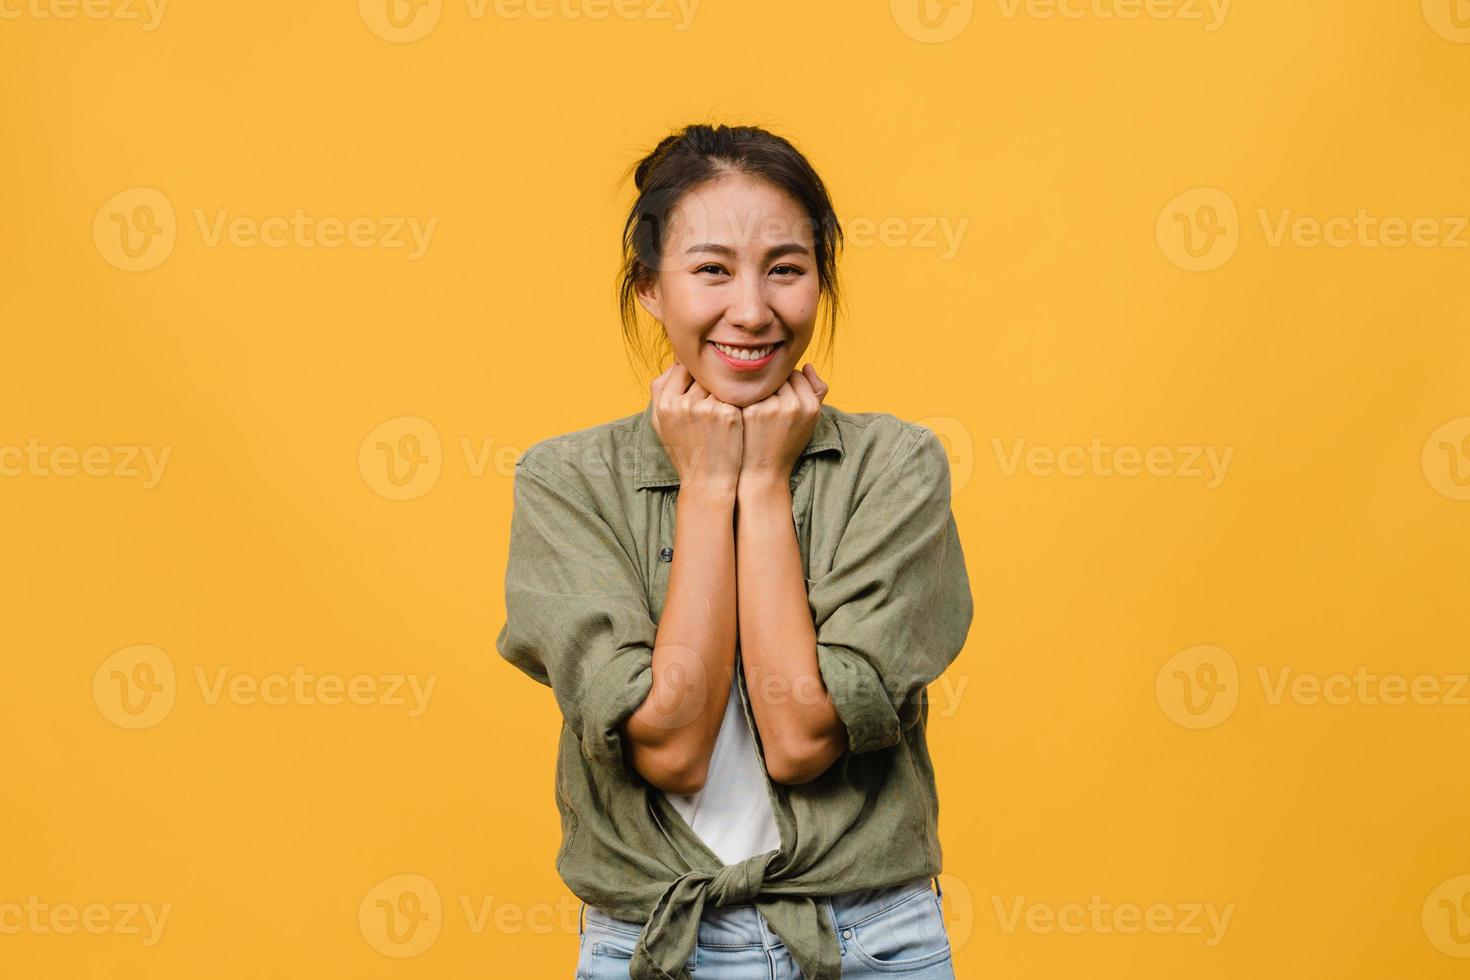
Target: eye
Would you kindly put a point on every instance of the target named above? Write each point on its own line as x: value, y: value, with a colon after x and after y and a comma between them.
x: 794, y: 270
x: 711, y: 265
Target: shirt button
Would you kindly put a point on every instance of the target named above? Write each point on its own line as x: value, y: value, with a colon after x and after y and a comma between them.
x: 666, y: 554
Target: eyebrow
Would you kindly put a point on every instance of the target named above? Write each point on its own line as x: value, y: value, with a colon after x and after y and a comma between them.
x: 786, y: 248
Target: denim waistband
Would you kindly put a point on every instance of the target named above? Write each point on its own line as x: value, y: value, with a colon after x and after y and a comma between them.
x: 743, y: 925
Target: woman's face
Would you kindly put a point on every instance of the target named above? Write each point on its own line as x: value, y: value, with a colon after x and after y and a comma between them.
x: 739, y: 269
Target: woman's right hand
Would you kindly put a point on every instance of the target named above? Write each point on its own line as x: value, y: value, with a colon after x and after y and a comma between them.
x: 702, y: 435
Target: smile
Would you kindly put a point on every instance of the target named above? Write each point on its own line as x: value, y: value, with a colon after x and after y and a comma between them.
x: 747, y: 358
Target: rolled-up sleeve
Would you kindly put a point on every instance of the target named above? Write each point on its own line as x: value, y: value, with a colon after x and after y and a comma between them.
x: 577, y: 616
x: 894, y: 609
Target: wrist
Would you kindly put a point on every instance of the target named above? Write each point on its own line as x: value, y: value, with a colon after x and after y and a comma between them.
x: 757, y: 488
x: 708, y: 494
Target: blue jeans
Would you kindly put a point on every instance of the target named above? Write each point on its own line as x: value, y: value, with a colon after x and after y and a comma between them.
x: 883, y: 932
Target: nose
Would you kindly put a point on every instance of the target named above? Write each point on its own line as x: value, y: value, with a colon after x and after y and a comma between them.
x: 749, y: 308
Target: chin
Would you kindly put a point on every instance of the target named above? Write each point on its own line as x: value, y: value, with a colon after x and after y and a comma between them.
x: 742, y: 396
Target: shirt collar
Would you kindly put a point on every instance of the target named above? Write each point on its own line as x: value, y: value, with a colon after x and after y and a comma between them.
x: 653, y: 467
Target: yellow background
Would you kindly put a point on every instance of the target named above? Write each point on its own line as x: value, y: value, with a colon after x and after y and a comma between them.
x: 1069, y: 765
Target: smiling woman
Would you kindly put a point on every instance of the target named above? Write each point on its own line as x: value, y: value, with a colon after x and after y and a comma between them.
x: 740, y: 627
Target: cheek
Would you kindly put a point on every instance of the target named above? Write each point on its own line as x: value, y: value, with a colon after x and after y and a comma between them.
x: 683, y: 303
x: 799, y: 306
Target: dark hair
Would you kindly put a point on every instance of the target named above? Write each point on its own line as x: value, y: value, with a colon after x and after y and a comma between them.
x: 688, y: 158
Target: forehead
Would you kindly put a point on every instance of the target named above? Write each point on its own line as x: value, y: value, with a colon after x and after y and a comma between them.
x: 739, y: 211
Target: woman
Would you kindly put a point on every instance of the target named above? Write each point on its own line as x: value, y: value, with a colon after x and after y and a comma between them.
x: 738, y: 597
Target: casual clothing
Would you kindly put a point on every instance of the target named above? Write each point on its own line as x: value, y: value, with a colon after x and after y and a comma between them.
x: 732, y: 814
x: 882, y: 933
x: 591, y: 542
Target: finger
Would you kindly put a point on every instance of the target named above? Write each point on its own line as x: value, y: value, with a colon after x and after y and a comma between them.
x: 811, y: 402
x: 819, y: 387
x: 673, y: 387
x: 679, y: 378
x: 658, y: 382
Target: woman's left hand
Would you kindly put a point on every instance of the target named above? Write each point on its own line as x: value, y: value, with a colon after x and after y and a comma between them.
x: 778, y: 427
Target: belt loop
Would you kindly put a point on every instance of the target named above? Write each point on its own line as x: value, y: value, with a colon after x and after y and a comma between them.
x: 581, y: 930
x: 939, y: 892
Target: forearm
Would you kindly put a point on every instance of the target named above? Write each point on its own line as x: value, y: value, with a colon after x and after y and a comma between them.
x: 672, y: 734
x: 800, y: 731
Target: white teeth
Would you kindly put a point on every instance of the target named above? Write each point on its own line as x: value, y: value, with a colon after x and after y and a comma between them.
x: 741, y: 354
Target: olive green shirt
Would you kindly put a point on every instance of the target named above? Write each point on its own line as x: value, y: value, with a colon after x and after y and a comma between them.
x: 591, y: 544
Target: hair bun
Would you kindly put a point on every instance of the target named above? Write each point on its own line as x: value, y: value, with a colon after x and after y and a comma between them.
x: 650, y: 163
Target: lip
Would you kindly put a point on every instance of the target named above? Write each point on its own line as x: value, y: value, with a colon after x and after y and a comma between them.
x: 735, y: 365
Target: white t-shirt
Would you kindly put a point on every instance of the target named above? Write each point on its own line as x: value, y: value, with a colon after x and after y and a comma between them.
x: 732, y: 814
